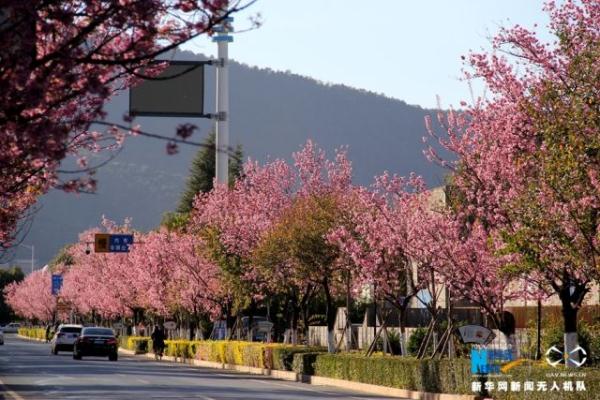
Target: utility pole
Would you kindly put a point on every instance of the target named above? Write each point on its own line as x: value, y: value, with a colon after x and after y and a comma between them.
x: 222, y: 124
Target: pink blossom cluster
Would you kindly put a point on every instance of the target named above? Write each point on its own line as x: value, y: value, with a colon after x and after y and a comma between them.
x: 61, y: 61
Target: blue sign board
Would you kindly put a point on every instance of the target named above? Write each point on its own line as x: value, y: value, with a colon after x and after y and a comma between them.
x: 57, y: 281
x: 119, y: 243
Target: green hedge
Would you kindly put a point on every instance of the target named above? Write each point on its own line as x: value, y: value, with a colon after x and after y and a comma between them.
x: 437, y: 376
x: 137, y: 344
x: 35, y: 333
x: 547, y: 374
x: 304, y: 363
x: 443, y: 376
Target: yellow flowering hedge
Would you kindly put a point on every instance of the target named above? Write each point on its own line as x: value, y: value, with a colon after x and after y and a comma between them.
x: 252, y: 354
x: 35, y: 333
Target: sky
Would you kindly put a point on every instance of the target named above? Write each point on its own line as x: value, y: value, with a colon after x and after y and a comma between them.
x: 405, y: 49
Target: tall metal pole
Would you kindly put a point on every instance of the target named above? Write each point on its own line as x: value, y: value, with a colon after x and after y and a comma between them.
x: 32, y: 257
x: 222, y: 124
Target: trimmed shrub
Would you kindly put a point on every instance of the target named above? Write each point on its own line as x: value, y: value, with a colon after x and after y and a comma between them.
x: 304, y: 363
x: 34, y: 333
x: 137, y: 344
x: 415, y: 340
x: 181, y: 348
x: 253, y: 354
x: 441, y: 376
x: 283, y: 355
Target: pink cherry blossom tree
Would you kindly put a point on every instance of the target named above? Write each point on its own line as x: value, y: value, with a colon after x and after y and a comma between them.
x: 528, y: 155
x: 32, y: 298
x: 381, y: 240
x: 61, y: 62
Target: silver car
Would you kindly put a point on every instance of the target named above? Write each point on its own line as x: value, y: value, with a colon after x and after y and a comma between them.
x: 13, y: 327
x: 65, y: 337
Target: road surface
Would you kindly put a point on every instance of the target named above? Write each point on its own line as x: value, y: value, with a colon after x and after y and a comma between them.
x: 28, y: 371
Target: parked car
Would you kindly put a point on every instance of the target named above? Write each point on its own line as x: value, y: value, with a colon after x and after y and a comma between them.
x: 1, y: 337
x: 96, y: 341
x: 13, y: 327
x: 64, y: 337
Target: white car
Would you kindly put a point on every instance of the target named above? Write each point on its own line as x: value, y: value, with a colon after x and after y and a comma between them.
x: 1, y: 337
x: 13, y: 327
x: 65, y: 337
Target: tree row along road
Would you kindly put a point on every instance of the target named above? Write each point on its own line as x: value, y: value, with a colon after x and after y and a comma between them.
x: 28, y: 371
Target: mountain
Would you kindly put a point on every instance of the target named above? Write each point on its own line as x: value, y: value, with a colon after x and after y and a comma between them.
x: 272, y: 115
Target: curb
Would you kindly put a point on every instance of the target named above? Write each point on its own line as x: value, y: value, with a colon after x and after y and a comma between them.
x: 30, y: 338
x: 312, y: 380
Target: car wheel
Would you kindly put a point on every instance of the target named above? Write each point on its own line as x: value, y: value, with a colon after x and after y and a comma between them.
x: 113, y: 357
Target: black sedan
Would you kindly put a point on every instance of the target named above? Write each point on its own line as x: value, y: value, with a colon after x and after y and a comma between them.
x: 96, y: 341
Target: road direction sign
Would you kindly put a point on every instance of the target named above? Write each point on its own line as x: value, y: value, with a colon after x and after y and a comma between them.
x: 57, y: 281
x: 119, y: 243
x: 101, y: 242
x: 112, y: 243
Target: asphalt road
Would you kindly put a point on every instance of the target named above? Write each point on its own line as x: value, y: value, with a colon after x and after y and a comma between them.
x: 29, y: 371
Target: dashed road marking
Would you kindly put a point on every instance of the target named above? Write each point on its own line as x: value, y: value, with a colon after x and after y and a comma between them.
x: 14, y: 395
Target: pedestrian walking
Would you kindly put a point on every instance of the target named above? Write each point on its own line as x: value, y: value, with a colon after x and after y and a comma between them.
x: 158, y: 342
x: 48, y: 335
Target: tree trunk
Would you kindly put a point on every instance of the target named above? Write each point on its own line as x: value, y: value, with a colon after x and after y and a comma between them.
x: 402, y: 336
x: 505, y: 322
x: 192, y: 323
x: 294, y: 324
x: 330, y: 319
x: 251, y: 320
x: 538, y: 345
x: 304, y: 303
x: 569, y: 312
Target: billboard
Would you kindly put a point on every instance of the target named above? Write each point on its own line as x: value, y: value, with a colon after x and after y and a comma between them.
x: 178, y: 91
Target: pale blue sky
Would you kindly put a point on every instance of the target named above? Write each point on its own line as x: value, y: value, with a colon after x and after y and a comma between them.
x: 406, y: 49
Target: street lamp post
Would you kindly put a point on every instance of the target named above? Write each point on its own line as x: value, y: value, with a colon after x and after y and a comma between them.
x: 222, y: 124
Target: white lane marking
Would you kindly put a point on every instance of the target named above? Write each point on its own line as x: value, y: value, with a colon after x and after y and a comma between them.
x: 290, y: 386
x: 307, y: 389
x: 200, y: 396
x: 145, y: 382
x: 12, y: 394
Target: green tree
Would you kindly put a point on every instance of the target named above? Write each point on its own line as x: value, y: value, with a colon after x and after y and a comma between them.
x: 202, y: 173
x: 7, y: 276
x: 299, y: 241
x: 62, y: 257
x: 200, y: 180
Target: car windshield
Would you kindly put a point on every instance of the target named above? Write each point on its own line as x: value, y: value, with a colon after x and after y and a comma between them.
x: 97, y: 332
x: 70, y: 329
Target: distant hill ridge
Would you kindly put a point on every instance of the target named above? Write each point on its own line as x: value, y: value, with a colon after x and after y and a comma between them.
x: 272, y: 114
